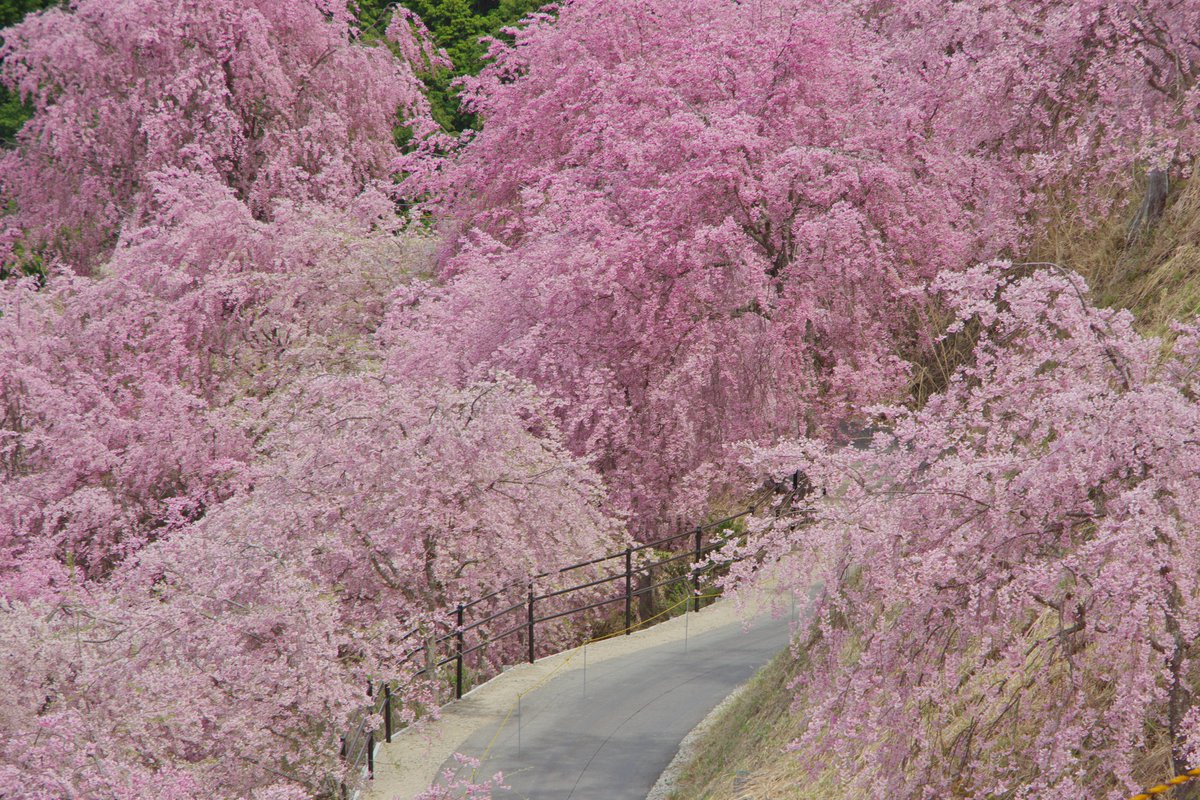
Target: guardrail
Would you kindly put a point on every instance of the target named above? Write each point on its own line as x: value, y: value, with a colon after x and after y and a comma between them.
x: 358, y: 747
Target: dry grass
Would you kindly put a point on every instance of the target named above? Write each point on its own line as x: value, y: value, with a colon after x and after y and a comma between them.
x: 934, y: 363
x: 747, y: 741
x: 1157, y: 277
x: 743, y: 757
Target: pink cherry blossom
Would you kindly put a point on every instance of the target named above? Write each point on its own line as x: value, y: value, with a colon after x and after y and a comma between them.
x: 1010, y: 577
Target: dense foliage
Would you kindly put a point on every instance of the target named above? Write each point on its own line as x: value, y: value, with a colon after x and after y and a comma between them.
x: 222, y: 514
x: 1011, y: 573
x: 460, y: 28
x: 701, y: 239
x: 13, y: 11
x: 13, y: 112
x: 259, y: 422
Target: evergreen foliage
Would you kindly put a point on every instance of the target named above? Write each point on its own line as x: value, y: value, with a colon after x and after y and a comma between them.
x: 458, y: 27
x: 13, y: 112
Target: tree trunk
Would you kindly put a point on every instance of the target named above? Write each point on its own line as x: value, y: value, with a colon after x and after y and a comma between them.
x: 1179, y: 699
x: 1153, y: 205
x: 431, y: 658
x: 645, y: 604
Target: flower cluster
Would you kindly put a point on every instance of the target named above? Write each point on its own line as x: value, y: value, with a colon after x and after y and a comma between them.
x: 1010, y: 578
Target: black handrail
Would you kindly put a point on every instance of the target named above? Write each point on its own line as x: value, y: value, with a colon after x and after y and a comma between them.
x: 580, y: 565
x: 576, y: 588
x: 358, y: 745
x: 514, y: 629
x: 508, y: 610
x: 488, y: 596
x: 649, y: 545
x: 581, y: 608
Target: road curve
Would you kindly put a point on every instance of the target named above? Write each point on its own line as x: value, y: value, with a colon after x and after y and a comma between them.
x: 608, y: 731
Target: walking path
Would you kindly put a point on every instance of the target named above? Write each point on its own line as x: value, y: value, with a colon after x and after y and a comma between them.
x: 601, y: 721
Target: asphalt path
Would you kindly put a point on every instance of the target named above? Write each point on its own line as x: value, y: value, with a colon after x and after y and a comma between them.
x: 608, y: 732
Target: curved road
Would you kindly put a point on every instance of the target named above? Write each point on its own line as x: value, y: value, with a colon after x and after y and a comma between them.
x: 607, y: 732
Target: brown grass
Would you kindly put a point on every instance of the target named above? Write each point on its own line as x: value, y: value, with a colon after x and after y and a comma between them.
x: 747, y: 742
x: 743, y: 755
x: 1156, y: 277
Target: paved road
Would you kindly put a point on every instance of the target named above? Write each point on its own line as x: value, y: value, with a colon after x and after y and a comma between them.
x: 608, y: 732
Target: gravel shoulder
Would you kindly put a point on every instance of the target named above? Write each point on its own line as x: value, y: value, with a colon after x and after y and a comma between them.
x: 668, y: 781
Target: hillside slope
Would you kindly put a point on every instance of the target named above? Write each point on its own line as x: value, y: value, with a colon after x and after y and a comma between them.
x: 1156, y: 275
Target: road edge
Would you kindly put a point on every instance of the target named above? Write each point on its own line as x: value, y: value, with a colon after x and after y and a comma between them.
x: 668, y: 781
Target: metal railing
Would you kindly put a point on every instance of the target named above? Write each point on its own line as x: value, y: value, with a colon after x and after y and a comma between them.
x: 358, y: 747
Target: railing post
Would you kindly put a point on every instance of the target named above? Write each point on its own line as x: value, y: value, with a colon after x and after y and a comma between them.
x: 696, y: 571
x: 387, y: 712
x: 531, y: 622
x: 371, y: 736
x: 628, y: 589
x: 458, y: 667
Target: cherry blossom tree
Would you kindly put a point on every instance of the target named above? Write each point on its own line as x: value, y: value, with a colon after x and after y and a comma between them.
x: 1054, y: 88
x: 694, y: 239
x: 421, y: 498
x: 1010, y: 576
x: 221, y: 515
x: 278, y: 99
x: 237, y: 601
x: 221, y: 679
x: 128, y: 398
x: 701, y: 239
x: 236, y: 650
x: 251, y: 437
